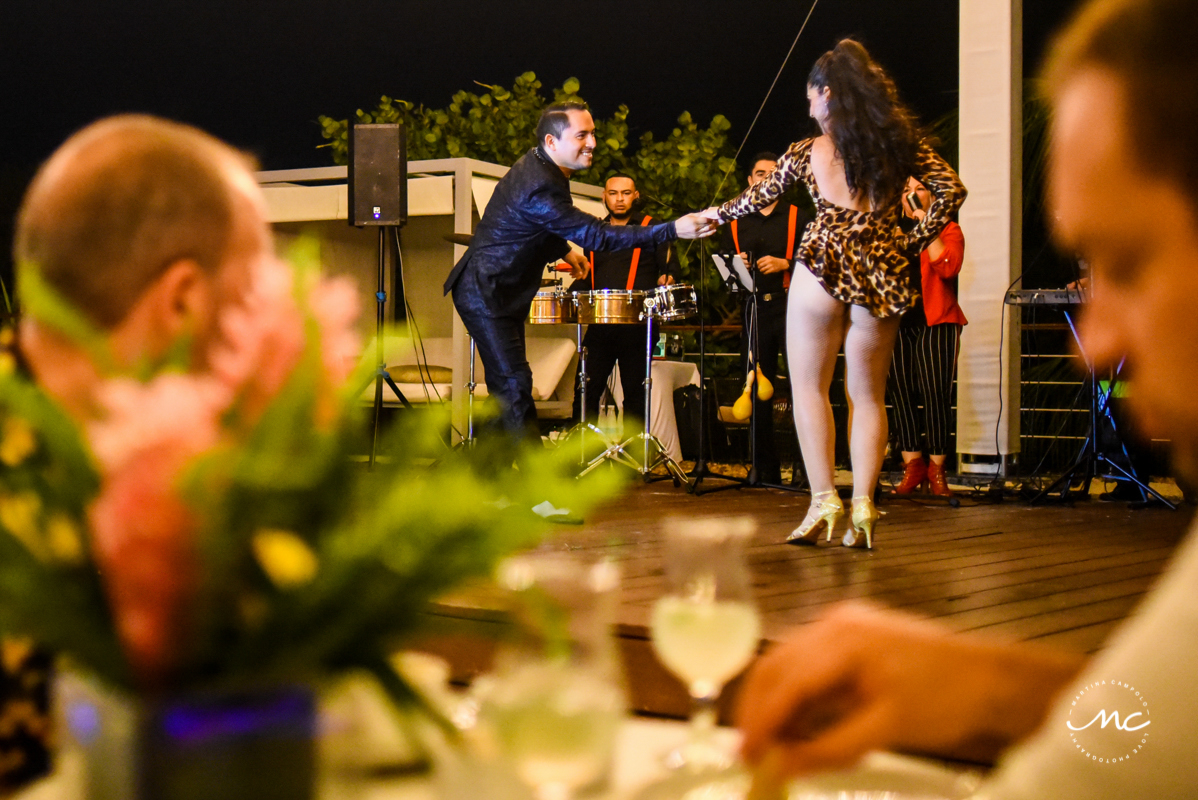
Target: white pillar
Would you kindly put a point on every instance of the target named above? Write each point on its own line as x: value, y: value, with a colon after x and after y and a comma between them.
x: 991, y: 160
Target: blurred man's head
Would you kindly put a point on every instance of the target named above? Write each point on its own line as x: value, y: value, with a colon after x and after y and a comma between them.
x: 1124, y: 196
x: 148, y: 228
x: 619, y: 194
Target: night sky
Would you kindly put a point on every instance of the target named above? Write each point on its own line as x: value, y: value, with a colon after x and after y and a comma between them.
x: 257, y: 73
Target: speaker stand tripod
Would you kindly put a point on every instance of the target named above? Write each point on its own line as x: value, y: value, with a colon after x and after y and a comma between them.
x: 381, y: 375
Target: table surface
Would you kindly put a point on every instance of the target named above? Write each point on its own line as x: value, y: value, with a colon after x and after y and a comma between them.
x: 639, y: 748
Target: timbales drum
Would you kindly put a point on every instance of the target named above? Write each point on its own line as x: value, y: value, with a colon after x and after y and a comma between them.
x: 674, y: 301
x: 553, y: 307
x: 610, y: 306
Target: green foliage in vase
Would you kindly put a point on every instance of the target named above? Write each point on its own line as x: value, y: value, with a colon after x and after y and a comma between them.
x: 272, y: 555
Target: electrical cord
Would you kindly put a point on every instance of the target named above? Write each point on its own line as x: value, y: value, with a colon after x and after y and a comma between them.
x: 426, y: 375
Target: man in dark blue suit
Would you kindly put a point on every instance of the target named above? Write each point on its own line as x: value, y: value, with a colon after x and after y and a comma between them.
x: 526, y: 225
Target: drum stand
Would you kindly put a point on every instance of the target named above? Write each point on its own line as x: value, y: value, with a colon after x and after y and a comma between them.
x: 620, y: 451
x: 583, y: 425
x: 470, y: 386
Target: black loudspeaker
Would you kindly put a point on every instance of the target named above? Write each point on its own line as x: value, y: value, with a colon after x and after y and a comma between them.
x: 378, y: 175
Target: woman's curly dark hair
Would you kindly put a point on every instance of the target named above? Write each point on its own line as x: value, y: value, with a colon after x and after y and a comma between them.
x: 874, y: 132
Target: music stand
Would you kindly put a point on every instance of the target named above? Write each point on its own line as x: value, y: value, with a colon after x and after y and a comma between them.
x: 700, y: 470
x: 740, y: 279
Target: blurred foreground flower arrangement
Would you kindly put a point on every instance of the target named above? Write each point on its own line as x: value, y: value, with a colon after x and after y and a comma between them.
x: 213, y: 531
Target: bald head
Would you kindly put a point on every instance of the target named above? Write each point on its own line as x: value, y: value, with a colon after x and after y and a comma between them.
x: 126, y: 198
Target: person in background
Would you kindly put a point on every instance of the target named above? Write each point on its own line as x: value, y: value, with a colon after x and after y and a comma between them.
x: 527, y: 223
x: 925, y: 355
x: 1123, y: 172
x: 770, y: 234
x: 639, y: 269
x: 854, y: 284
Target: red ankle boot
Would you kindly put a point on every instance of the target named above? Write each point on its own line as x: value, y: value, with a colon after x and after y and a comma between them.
x: 936, y: 480
x: 915, y: 472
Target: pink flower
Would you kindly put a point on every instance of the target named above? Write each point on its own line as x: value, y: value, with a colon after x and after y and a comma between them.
x: 144, y: 545
x: 335, y: 305
x: 144, y: 533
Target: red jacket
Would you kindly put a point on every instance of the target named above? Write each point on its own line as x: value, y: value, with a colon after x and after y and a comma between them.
x: 939, y: 293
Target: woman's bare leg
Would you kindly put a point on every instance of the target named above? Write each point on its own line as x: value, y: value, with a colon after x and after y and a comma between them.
x: 868, y: 346
x: 815, y: 329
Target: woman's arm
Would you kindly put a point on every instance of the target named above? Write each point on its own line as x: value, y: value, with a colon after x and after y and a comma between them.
x: 762, y: 194
x: 948, y: 194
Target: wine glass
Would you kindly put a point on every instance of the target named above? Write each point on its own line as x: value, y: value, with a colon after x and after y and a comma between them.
x: 705, y: 629
x: 556, y: 700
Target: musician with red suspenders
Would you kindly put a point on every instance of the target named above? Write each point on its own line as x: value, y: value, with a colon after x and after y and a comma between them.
x: 641, y: 269
x: 771, y: 236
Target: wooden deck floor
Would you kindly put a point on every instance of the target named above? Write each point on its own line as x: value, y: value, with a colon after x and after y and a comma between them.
x: 1057, y: 574
x: 1060, y: 575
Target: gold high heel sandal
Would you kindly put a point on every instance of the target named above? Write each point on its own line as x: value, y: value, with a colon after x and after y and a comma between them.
x: 827, y: 509
x: 861, y: 528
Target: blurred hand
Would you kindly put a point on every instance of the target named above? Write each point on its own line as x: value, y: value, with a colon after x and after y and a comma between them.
x: 579, y: 266
x: 771, y: 264
x: 862, y: 678
x: 664, y: 279
x: 713, y: 214
x: 694, y: 226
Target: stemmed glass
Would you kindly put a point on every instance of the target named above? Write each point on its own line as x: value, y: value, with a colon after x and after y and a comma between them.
x: 705, y: 629
x: 556, y: 700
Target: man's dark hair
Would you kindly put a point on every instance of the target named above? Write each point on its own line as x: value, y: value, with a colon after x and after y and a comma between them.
x: 1148, y: 44
x: 619, y: 175
x: 764, y: 155
x: 555, y: 119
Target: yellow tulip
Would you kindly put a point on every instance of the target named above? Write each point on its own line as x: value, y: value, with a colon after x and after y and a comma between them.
x: 284, y: 557
x: 17, y: 441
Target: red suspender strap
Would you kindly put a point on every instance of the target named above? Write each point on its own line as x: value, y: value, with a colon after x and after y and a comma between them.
x: 636, y: 257
x: 591, y: 258
x: 735, y: 238
x: 790, y: 245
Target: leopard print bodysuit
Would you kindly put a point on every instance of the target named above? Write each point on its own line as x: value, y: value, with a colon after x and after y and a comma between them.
x: 859, y: 257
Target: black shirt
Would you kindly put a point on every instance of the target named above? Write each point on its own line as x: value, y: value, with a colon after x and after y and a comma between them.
x: 612, y: 266
x: 764, y: 235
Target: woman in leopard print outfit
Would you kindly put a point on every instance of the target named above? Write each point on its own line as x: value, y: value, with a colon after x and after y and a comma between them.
x: 855, y: 284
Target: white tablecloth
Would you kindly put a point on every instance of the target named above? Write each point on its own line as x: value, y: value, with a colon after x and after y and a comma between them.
x: 667, y: 376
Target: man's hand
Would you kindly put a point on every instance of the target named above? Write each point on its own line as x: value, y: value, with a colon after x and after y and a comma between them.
x: 695, y: 226
x: 579, y: 266
x: 664, y: 279
x: 771, y: 264
x: 863, y: 678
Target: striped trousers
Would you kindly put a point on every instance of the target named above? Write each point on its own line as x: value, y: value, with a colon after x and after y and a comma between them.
x: 925, y: 361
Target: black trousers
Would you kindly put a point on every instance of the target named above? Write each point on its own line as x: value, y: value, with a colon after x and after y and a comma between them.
x: 606, y: 345
x: 771, y: 343
x: 925, y: 361
x: 500, y: 342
